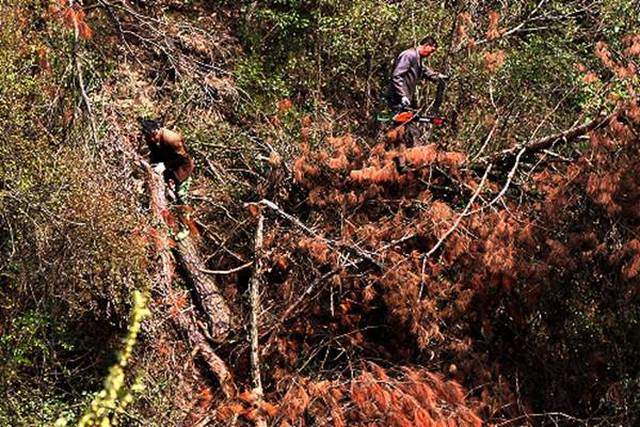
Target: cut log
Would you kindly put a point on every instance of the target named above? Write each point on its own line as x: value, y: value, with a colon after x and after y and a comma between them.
x: 254, y: 297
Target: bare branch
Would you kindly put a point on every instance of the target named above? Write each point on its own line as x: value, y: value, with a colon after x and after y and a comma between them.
x: 542, y: 415
x: 549, y: 141
x: 80, y: 79
x: 223, y: 272
x: 512, y: 173
x: 358, y: 251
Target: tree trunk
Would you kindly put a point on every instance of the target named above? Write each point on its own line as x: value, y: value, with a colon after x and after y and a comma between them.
x: 186, y: 322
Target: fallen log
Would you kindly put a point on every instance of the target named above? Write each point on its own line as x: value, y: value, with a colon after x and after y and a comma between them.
x: 217, y: 312
x: 186, y: 322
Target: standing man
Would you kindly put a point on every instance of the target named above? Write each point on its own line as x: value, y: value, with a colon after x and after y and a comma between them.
x: 407, y: 71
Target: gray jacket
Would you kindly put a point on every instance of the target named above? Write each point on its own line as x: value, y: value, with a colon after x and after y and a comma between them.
x: 407, y: 72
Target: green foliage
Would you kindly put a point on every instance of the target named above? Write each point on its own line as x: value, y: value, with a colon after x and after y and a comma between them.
x: 67, y: 233
x: 340, y: 54
x: 279, y: 25
x: 28, y: 346
x: 265, y: 87
x: 340, y: 51
x: 291, y: 20
x: 619, y: 17
x: 25, y: 340
x: 543, y: 64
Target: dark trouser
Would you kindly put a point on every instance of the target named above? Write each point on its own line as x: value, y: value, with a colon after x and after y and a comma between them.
x: 412, y: 134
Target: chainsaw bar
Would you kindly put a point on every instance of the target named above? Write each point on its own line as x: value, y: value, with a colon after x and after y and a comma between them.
x: 442, y: 86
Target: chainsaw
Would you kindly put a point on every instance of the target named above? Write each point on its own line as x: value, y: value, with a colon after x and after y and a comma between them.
x: 406, y: 115
x: 409, y: 116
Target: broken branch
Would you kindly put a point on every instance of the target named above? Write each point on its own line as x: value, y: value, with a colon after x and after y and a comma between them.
x: 254, y: 299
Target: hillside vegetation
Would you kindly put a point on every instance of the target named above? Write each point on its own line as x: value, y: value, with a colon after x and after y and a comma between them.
x: 488, y: 275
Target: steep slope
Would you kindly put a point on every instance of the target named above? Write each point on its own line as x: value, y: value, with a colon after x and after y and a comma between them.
x: 330, y: 277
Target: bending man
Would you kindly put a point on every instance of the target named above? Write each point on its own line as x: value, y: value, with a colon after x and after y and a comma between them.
x: 170, y: 157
